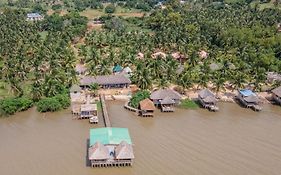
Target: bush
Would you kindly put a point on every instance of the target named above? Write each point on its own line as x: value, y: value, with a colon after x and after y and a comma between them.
x: 63, y: 100
x: 188, y: 104
x: 10, y: 106
x: 110, y: 8
x: 137, y: 97
x: 52, y: 104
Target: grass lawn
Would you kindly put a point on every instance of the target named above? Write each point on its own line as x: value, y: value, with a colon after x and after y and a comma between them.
x: 124, y: 12
x: 189, y: 104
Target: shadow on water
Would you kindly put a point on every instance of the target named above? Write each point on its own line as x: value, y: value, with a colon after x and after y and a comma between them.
x: 88, y: 162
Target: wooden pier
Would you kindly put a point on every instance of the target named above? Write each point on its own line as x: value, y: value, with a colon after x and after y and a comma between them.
x: 104, y: 112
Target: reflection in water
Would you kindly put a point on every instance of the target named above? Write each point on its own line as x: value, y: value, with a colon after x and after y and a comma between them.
x: 232, y: 141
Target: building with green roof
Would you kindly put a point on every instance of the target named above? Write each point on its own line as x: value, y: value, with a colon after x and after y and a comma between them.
x: 109, y: 136
x: 117, y: 68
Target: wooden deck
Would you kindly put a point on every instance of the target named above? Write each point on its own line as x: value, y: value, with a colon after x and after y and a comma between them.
x: 104, y: 112
x: 167, y: 108
x: 253, y: 106
x: 112, y: 163
x: 211, y: 107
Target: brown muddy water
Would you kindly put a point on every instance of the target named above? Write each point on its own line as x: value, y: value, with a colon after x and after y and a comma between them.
x: 233, y: 141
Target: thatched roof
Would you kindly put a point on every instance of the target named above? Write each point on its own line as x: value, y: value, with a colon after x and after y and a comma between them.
x: 203, y: 54
x: 277, y: 91
x: 98, y: 152
x: 215, y: 66
x: 167, y: 100
x: 89, y: 107
x: 80, y: 68
x: 251, y: 99
x: 147, y: 105
x: 75, y: 88
x: 124, y: 151
x: 273, y: 76
x: 207, y: 96
x: 163, y: 93
x: 180, y: 69
x: 140, y: 55
x: 205, y: 93
x: 159, y: 54
x: 105, y: 80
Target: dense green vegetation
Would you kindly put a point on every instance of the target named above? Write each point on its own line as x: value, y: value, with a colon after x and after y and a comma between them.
x: 53, y: 103
x: 10, y: 106
x: 46, y: 63
x: 242, y: 45
x: 240, y: 41
x: 137, y: 97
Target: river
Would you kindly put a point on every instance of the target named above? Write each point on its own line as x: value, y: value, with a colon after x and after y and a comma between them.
x: 233, y: 141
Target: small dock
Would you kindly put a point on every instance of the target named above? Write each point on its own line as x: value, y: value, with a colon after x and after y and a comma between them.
x: 167, y: 108
x: 104, y: 112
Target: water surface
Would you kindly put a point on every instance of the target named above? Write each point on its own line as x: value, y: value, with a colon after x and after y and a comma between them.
x: 233, y: 141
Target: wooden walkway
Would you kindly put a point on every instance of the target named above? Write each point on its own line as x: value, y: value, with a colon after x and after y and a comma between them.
x: 104, y: 112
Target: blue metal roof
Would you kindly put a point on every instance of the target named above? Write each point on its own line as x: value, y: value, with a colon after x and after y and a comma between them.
x: 246, y: 92
x: 33, y: 15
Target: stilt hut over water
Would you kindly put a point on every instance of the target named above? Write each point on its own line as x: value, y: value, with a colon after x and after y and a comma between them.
x: 208, y: 100
x: 167, y: 104
x: 88, y: 111
x: 146, y: 108
x: 276, y: 95
x: 249, y: 99
x: 110, y: 147
x: 171, y: 98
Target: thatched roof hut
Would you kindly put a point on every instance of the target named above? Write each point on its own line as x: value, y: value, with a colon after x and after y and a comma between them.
x: 167, y: 100
x: 277, y: 91
x: 208, y: 99
x: 159, y: 55
x: 203, y: 54
x: 98, y: 152
x: 124, y: 151
x: 80, y: 68
x: 147, y: 105
x: 251, y: 99
x: 75, y: 88
x: 205, y: 93
x: 163, y: 93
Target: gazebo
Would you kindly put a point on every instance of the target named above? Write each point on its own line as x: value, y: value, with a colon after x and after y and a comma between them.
x: 98, y: 153
x: 146, y: 107
x: 207, y: 99
x: 249, y: 99
x: 159, y: 95
x: 167, y: 104
x: 276, y: 94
